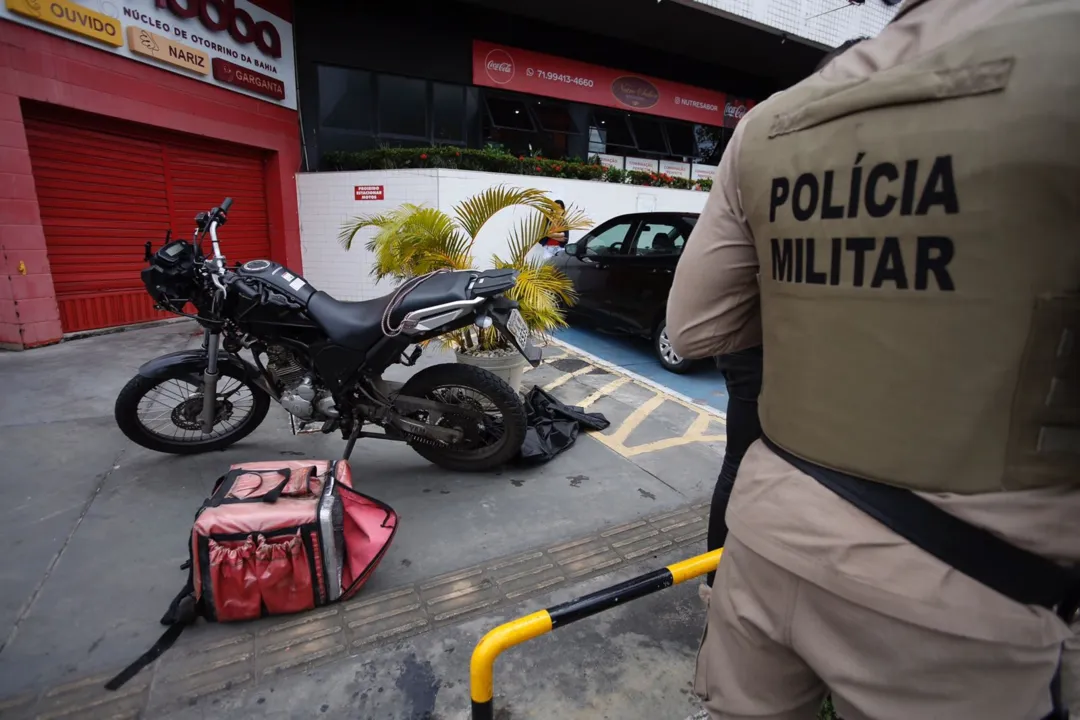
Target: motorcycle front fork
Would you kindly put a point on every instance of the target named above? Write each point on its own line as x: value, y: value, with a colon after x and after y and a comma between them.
x: 211, y: 341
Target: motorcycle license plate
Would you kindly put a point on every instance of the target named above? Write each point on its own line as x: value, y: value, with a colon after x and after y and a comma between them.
x: 517, y: 327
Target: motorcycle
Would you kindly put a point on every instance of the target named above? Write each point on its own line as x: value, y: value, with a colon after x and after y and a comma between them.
x: 322, y: 359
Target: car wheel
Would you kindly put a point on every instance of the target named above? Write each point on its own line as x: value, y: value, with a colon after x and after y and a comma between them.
x: 671, y: 360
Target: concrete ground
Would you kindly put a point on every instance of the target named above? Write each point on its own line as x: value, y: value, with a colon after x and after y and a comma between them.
x: 96, y: 531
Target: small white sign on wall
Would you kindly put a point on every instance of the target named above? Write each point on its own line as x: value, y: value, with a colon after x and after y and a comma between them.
x: 642, y: 165
x: 611, y: 161
x: 675, y: 169
x: 703, y: 172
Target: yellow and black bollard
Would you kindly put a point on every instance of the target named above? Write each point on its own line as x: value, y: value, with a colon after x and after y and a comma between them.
x: 515, y: 632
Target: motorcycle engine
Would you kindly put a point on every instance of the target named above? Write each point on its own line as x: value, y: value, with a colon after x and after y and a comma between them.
x: 300, y: 395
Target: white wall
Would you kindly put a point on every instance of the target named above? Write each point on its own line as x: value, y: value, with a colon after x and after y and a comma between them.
x: 811, y: 19
x: 327, y: 201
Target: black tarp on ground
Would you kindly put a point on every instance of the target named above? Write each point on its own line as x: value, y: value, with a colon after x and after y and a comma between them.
x: 553, y: 427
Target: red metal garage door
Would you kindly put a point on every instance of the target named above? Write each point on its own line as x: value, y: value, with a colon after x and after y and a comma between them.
x: 104, y: 190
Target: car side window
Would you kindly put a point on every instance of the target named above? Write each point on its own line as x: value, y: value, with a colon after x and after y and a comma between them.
x: 608, y: 241
x: 659, y: 238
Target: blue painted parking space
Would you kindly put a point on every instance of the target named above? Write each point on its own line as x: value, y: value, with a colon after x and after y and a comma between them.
x: 703, y: 385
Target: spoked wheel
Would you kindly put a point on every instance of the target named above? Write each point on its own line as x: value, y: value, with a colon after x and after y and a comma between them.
x: 487, y: 443
x: 670, y: 359
x: 162, y: 413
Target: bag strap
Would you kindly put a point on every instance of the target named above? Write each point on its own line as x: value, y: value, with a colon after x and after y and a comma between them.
x: 273, y: 495
x: 1016, y: 573
x: 225, y: 483
x: 183, y: 611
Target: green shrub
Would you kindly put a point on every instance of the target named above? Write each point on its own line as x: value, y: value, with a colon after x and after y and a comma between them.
x: 496, y: 160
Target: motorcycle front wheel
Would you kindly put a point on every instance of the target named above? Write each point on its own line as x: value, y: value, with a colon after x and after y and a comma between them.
x: 162, y: 413
x: 486, y: 445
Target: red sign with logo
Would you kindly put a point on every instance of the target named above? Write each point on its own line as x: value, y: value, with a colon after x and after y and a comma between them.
x: 369, y: 192
x: 238, y: 75
x: 499, y: 66
x: 735, y: 109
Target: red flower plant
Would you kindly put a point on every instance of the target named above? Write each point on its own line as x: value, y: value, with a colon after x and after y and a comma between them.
x: 423, y: 156
x: 558, y: 168
x: 537, y: 168
x: 521, y: 157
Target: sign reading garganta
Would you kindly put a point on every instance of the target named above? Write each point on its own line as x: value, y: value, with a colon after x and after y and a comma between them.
x: 500, y: 66
x: 234, y: 44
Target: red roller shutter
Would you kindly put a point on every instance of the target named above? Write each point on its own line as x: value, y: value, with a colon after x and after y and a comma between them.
x: 104, y: 191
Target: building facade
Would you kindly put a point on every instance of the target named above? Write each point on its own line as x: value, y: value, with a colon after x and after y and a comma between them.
x: 121, y: 120
x: 124, y: 118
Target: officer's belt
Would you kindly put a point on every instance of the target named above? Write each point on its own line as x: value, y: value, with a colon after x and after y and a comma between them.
x: 1014, y: 572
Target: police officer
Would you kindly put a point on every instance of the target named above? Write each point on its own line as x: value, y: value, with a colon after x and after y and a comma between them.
x: 903, y: 230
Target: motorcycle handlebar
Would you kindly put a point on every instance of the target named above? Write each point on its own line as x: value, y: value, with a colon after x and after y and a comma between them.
x: 226, y: 205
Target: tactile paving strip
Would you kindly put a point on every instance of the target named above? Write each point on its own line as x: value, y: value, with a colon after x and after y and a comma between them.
x: 235, y: 656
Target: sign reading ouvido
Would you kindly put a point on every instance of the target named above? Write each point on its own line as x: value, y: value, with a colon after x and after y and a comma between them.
x: 162, y: 48
x: 72, y: 18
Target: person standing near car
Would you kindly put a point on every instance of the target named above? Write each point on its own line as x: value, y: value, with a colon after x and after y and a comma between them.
x: 553, y: 243
x: 903, y: 225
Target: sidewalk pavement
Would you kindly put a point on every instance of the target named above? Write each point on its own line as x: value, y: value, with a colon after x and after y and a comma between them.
x: 634, y: 661
x: 96, y: 527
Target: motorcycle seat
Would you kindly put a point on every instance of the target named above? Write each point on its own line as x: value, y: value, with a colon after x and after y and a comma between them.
x: 358, y: 325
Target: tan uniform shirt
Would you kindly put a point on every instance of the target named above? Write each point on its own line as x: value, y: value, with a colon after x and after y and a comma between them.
x: 787, y: 516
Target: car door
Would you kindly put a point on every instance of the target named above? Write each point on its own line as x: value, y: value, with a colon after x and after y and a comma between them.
x: 643, y: 280
x: 590, y: 261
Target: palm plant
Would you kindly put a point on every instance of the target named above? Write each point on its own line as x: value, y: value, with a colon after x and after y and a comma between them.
x: 413, y: 240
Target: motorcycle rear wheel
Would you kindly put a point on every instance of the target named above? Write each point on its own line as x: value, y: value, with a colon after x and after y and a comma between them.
x: 178, y: 388
x: 486, y: 448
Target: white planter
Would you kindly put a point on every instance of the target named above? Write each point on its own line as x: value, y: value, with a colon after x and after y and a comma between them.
x: 510, y: 366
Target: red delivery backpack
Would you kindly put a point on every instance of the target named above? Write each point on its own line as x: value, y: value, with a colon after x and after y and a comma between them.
x: 275, y: 538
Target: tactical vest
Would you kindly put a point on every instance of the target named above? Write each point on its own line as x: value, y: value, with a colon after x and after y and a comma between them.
x: 919, y: 238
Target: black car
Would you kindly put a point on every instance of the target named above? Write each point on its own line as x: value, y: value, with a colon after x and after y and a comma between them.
x: 622, y: 271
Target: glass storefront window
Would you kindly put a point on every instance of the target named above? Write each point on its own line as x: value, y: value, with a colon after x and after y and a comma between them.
x: 402, y: 106
x: 681, y: 139
x: 509, y: 113
x: 649, y: 136
x: 554, y: 116
x: 360, y: 110
x: 710, y: 143
x: 345, y: 98
x: 448, y: 112
x: 612, y: 128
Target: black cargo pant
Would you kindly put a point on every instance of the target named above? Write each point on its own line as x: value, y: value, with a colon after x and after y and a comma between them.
x: 742, y: 372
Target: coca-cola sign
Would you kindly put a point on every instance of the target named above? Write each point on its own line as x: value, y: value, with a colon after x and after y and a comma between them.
x: 224, y: 16
x: 734, y: 111
x: 499, y: 66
